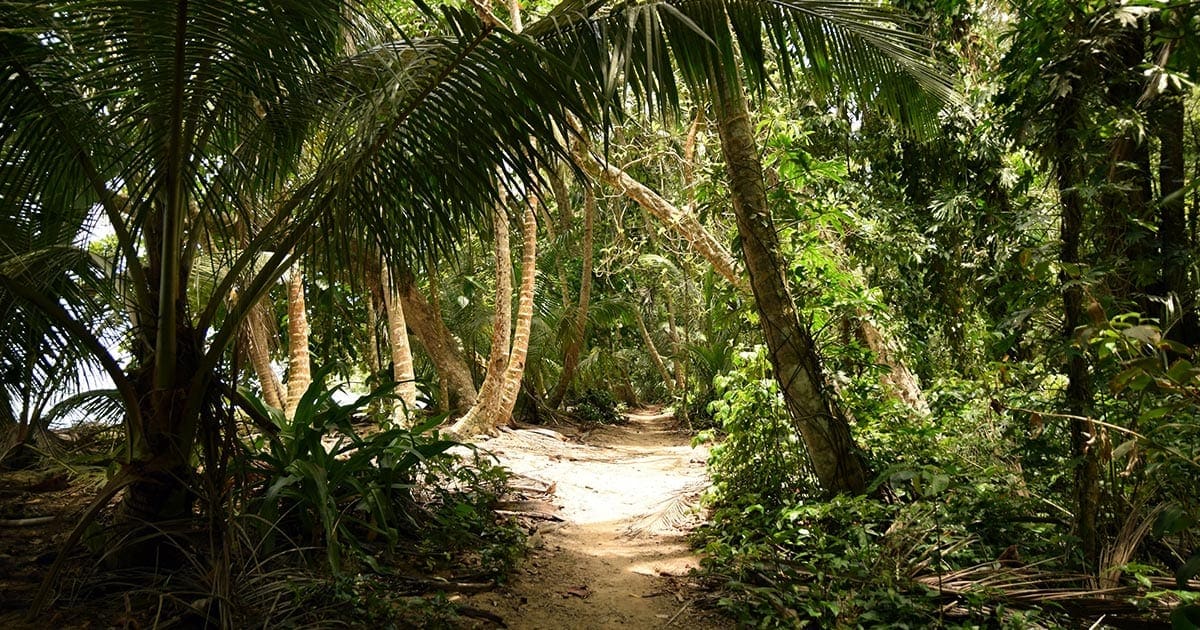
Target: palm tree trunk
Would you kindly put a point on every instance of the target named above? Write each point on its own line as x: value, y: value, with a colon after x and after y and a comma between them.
x: 257, y: 332
x: 822, y: 425
x: 485, y: 408
x: 676, y: 343
x: 520, y: 345
x: 299, y: 371
x: 402, y: 361
x: 489, y: 391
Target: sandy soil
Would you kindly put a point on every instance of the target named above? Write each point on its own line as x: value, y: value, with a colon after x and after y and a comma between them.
x: 618, y: 557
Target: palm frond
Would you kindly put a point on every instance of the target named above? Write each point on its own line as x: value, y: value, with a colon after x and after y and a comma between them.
x: 852, y: 49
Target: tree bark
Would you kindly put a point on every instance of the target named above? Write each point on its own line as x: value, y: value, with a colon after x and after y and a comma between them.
x: 676, y: 343
x: 299, y: 370
x: 1174, y: 244
x: 1125, y: 241
x: 435, y: 307
x: 681, y: 221
x: 822, y: 425
x: 439, y: 343
x: 371, y: 340
x: 257, y: 331
x: 520, y: 345
x: 1079, y: 387
x: 402, y: 361
x: 480, y: 415
x: 899, y: 380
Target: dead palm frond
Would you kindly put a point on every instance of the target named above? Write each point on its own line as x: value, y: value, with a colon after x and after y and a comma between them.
x: 678, y: 513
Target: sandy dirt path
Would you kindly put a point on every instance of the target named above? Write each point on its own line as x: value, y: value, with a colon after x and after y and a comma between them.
x: 618, y: 558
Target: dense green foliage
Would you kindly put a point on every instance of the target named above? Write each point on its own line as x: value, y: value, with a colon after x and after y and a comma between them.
x: 999, y: 280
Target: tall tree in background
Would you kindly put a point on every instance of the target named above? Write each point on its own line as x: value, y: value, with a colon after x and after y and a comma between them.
x: 1084, y: 107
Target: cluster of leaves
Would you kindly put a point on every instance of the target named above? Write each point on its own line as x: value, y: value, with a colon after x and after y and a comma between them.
x: 1157, y: 383
x: 318, y: 483
x: 850, y: 560
x: 985, y: 482
x: 598, y: 406
x: 761, y: 459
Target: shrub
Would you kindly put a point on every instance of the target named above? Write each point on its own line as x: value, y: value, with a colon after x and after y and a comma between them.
x: 598, y: 406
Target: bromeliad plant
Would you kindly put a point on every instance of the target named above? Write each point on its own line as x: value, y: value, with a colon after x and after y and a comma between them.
x: 317, y: 479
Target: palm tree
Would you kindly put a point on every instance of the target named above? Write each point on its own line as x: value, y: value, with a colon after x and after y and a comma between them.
x: 177, y: 121
x: 852, y: 49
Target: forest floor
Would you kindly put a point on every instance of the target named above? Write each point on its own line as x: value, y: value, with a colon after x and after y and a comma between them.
x: 617, y: 502
x: 610, y: 508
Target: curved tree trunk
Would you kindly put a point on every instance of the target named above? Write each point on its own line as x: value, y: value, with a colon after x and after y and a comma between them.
x: 402, y: 361
x: 900, y: 380
x: 680, y: 220
x: 520, y: 345
x: 479, y: 416
x: 439, y: 343
x: 299, y: 371
x: 257, y: 331
x: 817, y: 417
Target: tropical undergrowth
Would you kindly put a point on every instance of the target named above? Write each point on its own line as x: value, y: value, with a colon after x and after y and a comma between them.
x: 333, y: 516
x: 968, y: 522
x: 969, y: 519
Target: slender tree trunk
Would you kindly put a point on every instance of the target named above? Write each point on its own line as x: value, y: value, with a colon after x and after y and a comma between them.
x: 579, y: 327
x: 562, y: 201
x: 402, y: 361
x: 689, y: 156
x: 899, y: 380
x: 652, y: 350
x: 485, y: 408
x: 676, y: 343
x: 1174, y: 244
x: 1125, y: 241
x: 818, y: 419
x: 257, y: 331
x: 1079, y: 386
x: 435, y: 307
x: 520, y: 346
x: 371, y: 340
x: 299, y: 370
